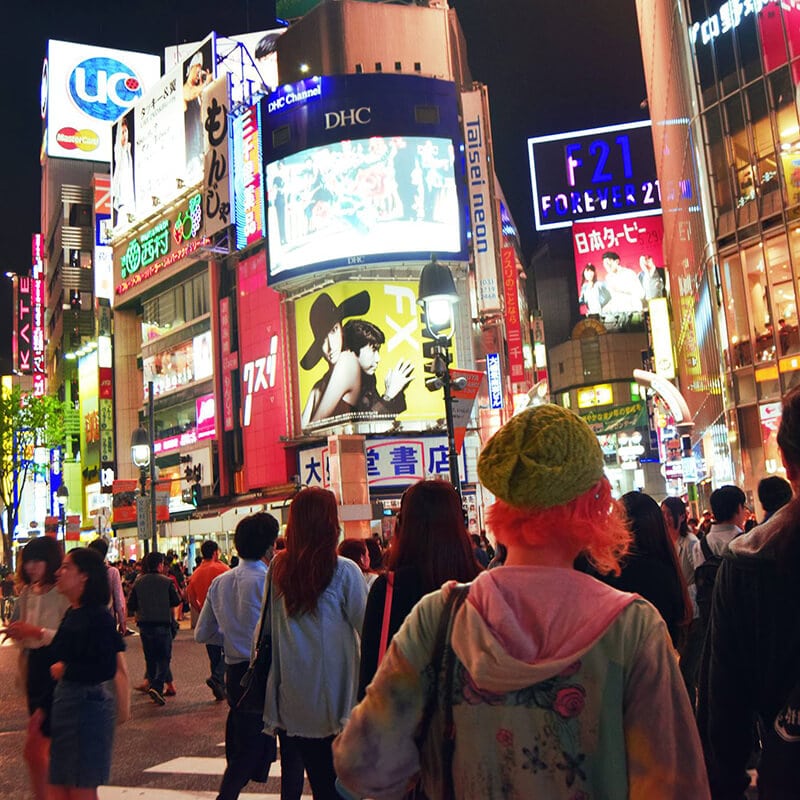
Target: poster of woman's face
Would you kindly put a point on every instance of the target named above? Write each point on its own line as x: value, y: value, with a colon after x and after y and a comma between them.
x: 360, y: 352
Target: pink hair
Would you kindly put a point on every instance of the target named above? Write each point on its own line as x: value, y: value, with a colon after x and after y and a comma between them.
x: 593, y: 524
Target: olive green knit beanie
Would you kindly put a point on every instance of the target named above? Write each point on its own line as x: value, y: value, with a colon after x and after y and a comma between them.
x: 542, y: 457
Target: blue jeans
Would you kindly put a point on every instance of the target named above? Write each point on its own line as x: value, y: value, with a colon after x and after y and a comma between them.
x: 157, y: 649
x: 216, y: 661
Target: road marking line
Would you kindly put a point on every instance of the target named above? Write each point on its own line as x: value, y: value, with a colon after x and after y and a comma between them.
x: 197, y: 765
x: 131, y: 792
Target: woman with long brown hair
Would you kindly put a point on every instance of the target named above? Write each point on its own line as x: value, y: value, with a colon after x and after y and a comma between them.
x: 317, y: 604
x: 430, y: 546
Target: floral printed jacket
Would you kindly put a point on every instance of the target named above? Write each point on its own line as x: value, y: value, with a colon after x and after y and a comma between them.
x: 564, y: 688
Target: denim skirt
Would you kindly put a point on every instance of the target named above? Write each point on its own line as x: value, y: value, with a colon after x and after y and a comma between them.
x: 82, y: 731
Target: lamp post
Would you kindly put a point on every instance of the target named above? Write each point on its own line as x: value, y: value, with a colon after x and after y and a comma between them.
x: 437, y: 295
x: 62, y: 498
x: 143, y: 457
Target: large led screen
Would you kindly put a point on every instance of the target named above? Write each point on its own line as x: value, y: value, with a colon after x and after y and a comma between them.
x: 363, y: 169
x: 359, y: 344
x: 363, y: 198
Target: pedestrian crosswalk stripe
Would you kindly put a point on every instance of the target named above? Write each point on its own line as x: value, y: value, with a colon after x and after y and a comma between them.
x: 137, y: 793
x: 197, y: 765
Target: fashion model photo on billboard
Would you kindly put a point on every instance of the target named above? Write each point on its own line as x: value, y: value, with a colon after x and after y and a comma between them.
x: 123, y: 197
x: 363, y: 197
x: 360, y: 349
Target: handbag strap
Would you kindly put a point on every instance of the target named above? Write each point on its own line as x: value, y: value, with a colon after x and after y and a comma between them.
x: 454, y: 600
x: 387, y: 612
x: 263, y: 627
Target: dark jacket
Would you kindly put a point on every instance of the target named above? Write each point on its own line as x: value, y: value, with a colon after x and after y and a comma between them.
x: 407, y: 592
x: 751, y: 658
x: 152, y: 599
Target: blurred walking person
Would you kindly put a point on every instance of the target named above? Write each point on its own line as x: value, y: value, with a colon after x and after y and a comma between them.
x: 317, y: 610
x: 196, y: 591
x: 38, y: 612
x: 88, y: 650
x: 152, y: 600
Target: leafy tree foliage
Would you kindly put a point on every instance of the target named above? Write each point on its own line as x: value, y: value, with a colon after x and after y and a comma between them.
x: 26, y: 422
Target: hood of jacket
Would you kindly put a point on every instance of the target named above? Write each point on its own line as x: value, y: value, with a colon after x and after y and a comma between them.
x: 522, y: 625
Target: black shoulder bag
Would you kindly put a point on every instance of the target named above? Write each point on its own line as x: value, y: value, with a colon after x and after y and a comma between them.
x: 254, y: 681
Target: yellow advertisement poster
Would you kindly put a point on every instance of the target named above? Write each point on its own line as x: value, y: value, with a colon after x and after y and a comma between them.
x: 360, y: 349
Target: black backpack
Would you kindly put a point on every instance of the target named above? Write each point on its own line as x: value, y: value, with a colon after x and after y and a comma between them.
x: 705, y: 577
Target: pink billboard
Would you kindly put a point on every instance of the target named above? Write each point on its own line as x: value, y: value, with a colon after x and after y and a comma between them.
x: 619, y: 264
x: 262, y: 352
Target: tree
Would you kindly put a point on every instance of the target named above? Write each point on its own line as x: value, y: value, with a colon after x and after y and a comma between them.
x: 26, y: 422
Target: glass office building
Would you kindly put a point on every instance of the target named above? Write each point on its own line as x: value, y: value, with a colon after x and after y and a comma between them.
x: 722, y: 82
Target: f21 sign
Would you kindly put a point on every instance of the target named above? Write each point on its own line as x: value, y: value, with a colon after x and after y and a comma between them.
x: 601, y: 172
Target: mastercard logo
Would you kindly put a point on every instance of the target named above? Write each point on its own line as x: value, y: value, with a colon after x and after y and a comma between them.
x: 73, y: 139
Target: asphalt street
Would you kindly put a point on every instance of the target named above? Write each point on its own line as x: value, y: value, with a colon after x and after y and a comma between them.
x: 170, y: 753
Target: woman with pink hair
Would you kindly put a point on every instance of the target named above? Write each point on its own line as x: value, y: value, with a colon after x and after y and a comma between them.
x: 542, y: 681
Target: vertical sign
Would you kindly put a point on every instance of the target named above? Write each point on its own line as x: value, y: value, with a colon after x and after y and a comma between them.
x: 248, y: 189
x: 24, y: 320
x: 216, y: 173
x: 516, y: 360
x: 495, y: 380
x: 230, y: 362
x: 480, y: 177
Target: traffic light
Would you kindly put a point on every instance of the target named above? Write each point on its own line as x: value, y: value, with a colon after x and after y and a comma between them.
x: 188, y: 473
x: 197, y: 494
x: 197, y: 473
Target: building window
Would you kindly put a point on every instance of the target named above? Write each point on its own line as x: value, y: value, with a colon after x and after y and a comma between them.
x: 417, y: 66
x: 359, y: 69
x: 176, y: 306
x: 590, y: 356
x: 378, y: 66
x: 398, y: 66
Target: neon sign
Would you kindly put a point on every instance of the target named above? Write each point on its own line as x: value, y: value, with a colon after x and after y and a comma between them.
x: 731, y: 14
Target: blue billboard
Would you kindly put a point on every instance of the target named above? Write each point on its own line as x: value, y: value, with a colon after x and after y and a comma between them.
x: 363, y: 169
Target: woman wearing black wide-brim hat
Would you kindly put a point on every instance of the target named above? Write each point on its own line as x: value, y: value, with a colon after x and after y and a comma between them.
x: 329, y: 397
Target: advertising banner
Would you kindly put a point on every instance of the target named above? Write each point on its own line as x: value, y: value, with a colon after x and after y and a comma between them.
x: 617, y: 418
x: 360, y: 350
x: 88, y: 377
x: 619, y: 264
x: 179, y: 365
x: 516, y: 357
x: 363, y: 170
x: 251, y: 72
x: 601, y: 172
x: 262, y: 355
x: 480, y: 186
x: 84, y: 89
x: 391, y: 463
x: 216, y: 172
x: 248, y: 187
x: 159, y: 146
x: 124, y: 501
x: 464, y: 402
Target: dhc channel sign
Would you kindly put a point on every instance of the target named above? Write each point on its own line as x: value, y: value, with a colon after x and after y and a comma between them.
x: 104, y: 88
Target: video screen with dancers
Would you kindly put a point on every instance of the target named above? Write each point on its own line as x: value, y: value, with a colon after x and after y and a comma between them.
x: 362, y: 200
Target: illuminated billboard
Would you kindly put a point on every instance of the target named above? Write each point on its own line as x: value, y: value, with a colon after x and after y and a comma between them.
x: 359, y: 345
x: 601, y: 172
x: 248, y: 186
x: 262, y: 353
x: 363, y: 169
x: 159, y: 145
x: 84, y: 89
x: 619, y: 264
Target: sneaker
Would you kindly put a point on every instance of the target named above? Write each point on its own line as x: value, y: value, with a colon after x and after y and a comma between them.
x: 217, y: 688
x: 169, y: 690
x: 157, y: 697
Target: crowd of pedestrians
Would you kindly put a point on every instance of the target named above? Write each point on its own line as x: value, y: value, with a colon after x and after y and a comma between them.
x: 596, y: 648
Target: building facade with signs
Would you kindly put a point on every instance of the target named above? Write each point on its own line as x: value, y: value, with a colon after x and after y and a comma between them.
x: 722, y: 85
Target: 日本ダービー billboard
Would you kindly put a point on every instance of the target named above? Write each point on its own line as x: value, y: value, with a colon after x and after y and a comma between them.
x: 363, y: 169
x: 84, y: 89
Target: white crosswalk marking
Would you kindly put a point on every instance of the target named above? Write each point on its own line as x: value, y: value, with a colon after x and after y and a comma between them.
x: 132, y: 793
x: 195, y: 765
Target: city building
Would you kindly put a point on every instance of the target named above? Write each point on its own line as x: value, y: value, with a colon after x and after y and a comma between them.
x: 722, y: 83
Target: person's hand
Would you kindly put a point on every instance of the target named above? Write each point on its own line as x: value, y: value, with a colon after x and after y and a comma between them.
x: 57, y: 670
x: 397, y: 378
x: 23, y: 630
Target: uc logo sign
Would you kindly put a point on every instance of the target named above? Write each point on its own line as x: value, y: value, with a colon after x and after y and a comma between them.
x: 103, y: 87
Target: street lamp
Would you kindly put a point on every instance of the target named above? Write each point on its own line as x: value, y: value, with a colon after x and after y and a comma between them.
x: 142, y: 457
x: 62, y: 498
x: 437, y: 295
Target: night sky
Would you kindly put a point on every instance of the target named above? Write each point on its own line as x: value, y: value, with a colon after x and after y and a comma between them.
x: 551, y: 66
